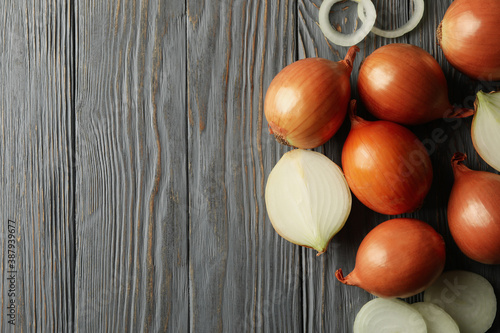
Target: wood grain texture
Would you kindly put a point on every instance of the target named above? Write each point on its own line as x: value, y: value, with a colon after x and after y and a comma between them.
x: 131, y: 210
x: 36, y: 165
x: 134, y: 154
x: 339, y: 303
x: 243, y: 277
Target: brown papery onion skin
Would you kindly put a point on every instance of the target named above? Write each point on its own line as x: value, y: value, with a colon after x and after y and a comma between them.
x: 398, y: 258
x: 307, y: 101
x: 403, y: 83
x: 474, y: 212
x: 469, y: 37
x: 386, y: 166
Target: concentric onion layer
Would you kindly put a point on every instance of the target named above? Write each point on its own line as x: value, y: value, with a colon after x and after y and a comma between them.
x: 467, y: 297
x: 357, y: 36
x: 307, y: 198
x: 388, y: 315
x: 415, y: 18
x: 436, y: 319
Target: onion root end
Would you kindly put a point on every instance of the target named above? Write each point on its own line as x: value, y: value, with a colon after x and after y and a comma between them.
x: 439, y: 33
x: 281, y: 139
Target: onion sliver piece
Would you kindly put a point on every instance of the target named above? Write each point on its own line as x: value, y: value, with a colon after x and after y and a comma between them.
x: 346, y: 39
x: 307, y: 198
x: 388, y: 315
x: 486, y: 127
x: 405, y: 28
x: 436, y: 319
x: 467, y: 297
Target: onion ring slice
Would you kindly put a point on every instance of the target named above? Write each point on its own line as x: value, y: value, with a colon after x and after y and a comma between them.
x: 405, y: 28
x: 341, y: 39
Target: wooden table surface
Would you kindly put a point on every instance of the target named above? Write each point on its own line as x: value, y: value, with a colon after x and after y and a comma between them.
x: 134, y: 154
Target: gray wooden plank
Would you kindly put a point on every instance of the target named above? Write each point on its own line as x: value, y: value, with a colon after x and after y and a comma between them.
x: 131, y: 210
x: 243, y: 276
x: 339, y: 303
x: 328, y: 305
x: 36, y: 166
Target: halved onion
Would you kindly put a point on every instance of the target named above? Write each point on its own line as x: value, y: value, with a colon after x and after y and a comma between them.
x: 307, y: 198
x: 436, y: 319
x: 414, y: 20
x: 486, y: 127
x: 467, y: 297
x: 346, y: 39
x: 388, y: 315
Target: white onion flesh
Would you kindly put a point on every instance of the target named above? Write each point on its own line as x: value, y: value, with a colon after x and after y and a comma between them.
x: 414, y: 20
x: 307, y: 198
x: 339, y: 38
x: 436, y: 319
x: 388, y: 315
x: 467, y: 297
x: 486, y: 127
